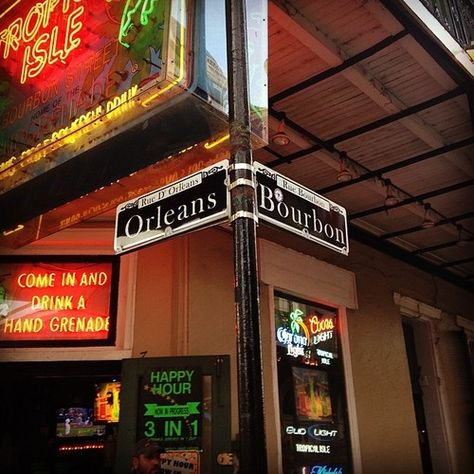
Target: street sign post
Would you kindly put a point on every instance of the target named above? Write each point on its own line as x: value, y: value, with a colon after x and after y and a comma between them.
x: 194, y: 202
x: 295, y: 208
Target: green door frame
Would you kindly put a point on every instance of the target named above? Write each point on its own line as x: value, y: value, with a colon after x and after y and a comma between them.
x: 218, y: 367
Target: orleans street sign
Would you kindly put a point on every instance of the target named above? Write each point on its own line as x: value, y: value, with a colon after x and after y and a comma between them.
x: 290, y: 206
x: 191, y: 203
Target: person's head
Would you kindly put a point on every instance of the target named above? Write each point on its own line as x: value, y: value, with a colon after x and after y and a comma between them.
x: 146, y: 457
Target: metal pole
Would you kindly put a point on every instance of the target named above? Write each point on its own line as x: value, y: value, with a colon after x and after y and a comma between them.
x: 252, y: 449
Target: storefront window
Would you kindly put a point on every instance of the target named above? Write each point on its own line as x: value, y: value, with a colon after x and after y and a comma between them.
x: 313, y: 411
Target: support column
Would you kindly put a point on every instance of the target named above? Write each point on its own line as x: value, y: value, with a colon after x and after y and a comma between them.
x: 252, y: 448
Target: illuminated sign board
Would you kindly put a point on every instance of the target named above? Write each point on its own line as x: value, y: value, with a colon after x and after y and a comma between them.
x: 57, y: 302
x: 107, y: 402
x: 311, y: 387
x: 170, y: 410
x: 95, y: 92
x: 324, y: 469
x: 293, y: 207
x: 193, y: 202
x: 71, y: 67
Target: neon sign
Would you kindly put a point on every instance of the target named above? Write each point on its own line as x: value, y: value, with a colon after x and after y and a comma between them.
x: 325, y: 469
x: 304, y: 333
x: 71, y: 66
x: 42, y: 43
x: 127, y: 23
x: 313, y: 448
x: 55, y: 301
x: 85, y: 123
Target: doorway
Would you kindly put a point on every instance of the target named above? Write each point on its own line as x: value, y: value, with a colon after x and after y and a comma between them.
x: 183, y: 403
x: 420, y: 350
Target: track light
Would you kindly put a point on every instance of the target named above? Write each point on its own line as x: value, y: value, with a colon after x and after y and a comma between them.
x: 390, y: 199
x: 280, y: 137
x: 344, y: 175
x: 428, y: 222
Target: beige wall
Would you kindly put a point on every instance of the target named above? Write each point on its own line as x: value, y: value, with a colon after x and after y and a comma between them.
x: 153, y: 302
x: 182, y: 302
x: 387, y: 428
x: 185, y: 305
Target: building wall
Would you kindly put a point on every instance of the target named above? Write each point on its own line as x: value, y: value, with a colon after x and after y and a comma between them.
x: 383, y: 400
x: 180, y: 298
x: 385, y: 416
x: 381, y: 381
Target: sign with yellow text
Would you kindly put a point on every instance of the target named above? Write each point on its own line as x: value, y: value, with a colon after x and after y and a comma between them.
x: 62, y: 302
x: 70, y: 67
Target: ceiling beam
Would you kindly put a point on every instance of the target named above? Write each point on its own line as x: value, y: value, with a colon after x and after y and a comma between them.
x: 389, y: 248
x: 455, y: 263
x: 401, y: 164
x: 352, y: 61
x: 448, y: 220
x: 446, y: 245
x: 401, y: 114
x: 412, y: 199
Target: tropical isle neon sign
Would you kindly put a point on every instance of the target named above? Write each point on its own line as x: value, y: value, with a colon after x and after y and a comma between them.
x: 42, y: 44
x: 67, y: 33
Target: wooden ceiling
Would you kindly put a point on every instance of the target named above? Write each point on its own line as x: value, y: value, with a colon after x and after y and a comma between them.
x: 361, y: 88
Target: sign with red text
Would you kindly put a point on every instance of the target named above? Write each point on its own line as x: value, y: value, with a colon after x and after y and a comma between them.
x: 180, y: 462
x: 57, y: 302
x: 71, y: 67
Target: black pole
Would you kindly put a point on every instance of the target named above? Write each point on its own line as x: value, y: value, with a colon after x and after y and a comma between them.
x: 252, y: 451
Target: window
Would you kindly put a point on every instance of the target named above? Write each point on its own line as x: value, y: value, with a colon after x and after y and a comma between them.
x: 313, y: 411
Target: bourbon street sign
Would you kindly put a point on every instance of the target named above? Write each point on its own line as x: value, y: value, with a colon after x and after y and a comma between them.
x: 288, y: 205
x: 191, y: 203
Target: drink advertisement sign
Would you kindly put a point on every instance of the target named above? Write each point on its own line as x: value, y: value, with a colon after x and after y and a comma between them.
x: 311, y: 386
x: 170, y: 409
x: 57, y: 302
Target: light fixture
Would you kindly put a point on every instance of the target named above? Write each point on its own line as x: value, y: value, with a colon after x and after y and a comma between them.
x: 428, y: 222
x: 390, y: 199
x: 12, y: 231
x: 280, y: 137
x: 344, y: 174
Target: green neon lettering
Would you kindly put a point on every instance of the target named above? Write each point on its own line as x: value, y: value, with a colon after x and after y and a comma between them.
x: 126, y: 25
